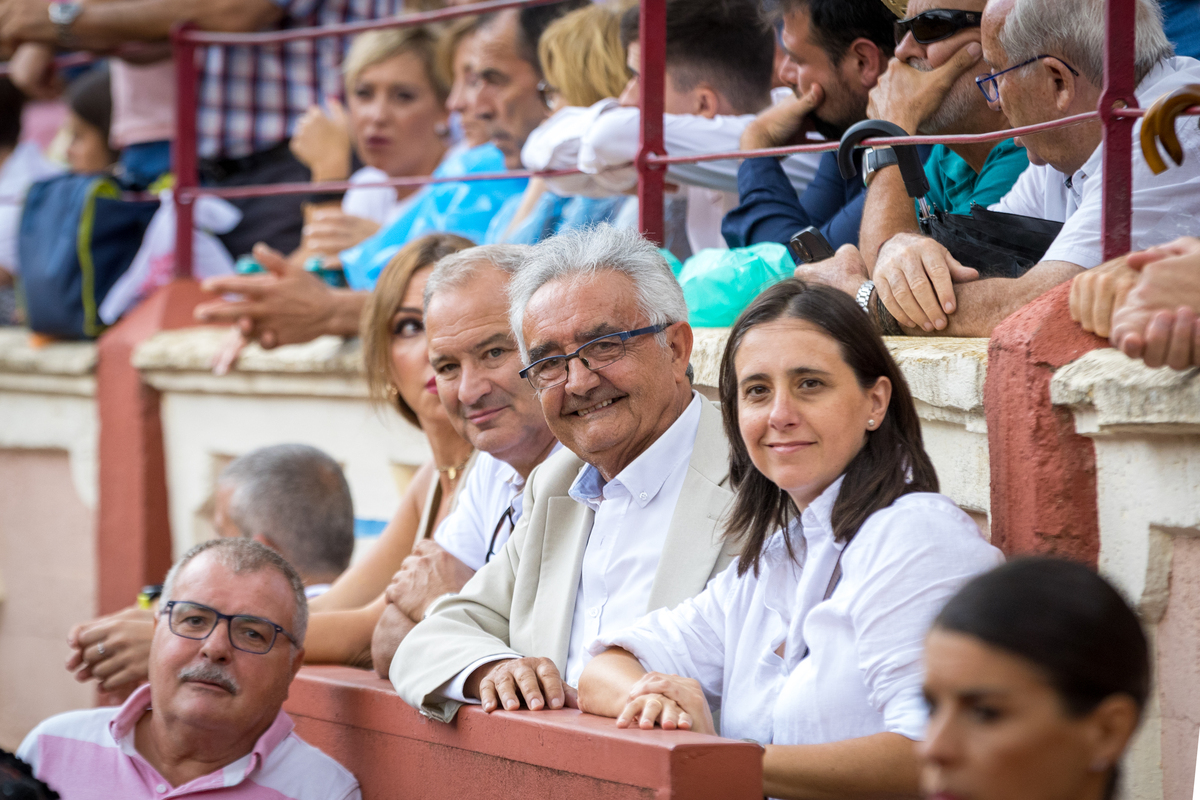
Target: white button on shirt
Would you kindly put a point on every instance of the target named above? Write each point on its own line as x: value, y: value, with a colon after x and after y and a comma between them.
x: 1165, y: 206
x: 852, y: 663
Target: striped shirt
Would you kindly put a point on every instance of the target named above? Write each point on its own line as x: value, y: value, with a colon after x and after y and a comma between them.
x: 251, y: 97
x: 90, y: 755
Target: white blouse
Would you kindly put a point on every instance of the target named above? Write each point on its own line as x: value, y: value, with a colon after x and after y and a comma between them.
x: 852, y: 664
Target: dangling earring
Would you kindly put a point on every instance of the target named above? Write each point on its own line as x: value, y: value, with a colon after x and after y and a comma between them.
x: 392, y: 392
x: 442, y: 130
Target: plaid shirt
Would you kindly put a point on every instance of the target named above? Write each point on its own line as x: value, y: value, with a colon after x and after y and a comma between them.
x: 251, y: 97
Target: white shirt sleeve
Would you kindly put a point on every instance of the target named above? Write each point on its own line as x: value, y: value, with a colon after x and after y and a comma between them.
x: 375, y: 203
x: 690, y: 639
x: 1027, y: 196
x: 555, y: 144
x: 899, y: 583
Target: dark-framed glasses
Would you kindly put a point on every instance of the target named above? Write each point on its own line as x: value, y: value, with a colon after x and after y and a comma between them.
x: 937, y: 24
x: 546, y: 373
x: 991, y: 88
x: 246, y: 633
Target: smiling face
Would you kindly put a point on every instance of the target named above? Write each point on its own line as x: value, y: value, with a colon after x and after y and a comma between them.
x: 411, y: 373
x: 801, y: 411
x: 507, y: 100
x: 607, y: 418
x: 227, y: 689
x: 998, y: 729
x: 476, y: 361
x: 964, y: 101
x: 395, y: 115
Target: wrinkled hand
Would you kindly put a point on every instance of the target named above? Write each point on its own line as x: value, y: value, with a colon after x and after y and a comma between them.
x: 1158, y: 320
x: 846, y: 270
x: 391, y: 629
x: 26, y: 21
x: 329, y: 231
x: 285, y: 306
x: 669, y: 700
x: 908, y: 96
x: 322, y: 141
x: 1097, y: 292
x: 31, y: 70
x: 915, y: 277
x: 505, y: 684
x: 785, y: 123
x: 425, y: 575
x: 125, y: 638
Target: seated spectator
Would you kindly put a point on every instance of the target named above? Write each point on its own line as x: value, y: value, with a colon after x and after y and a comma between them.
x: 929, y: 88
x: 718, y: 75
x: 294, y: 499
x: 474, y: 356
x: 1157, y: 320
x: 395, y: 120
x: 836, y: 52
x: 21, y: 165
x: 811, y: 645
x: 249, y: 99
x: 581, y: 58
x: 621, y: 524
x: 210, y: 721
x: 1047, y: 62
x: 1036, y: 675
x: 113, y: 649
x: 89, y: 116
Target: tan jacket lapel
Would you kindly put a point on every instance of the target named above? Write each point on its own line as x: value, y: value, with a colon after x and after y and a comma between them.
x: 568, y: 526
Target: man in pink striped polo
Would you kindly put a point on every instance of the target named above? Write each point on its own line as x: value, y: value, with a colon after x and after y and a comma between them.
x: 227, y: 642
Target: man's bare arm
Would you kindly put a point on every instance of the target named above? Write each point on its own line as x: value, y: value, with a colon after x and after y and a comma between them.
x: 983, y: 304
x: 888, y: 211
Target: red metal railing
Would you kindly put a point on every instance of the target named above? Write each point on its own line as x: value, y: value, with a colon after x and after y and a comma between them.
x: 1117, y: 111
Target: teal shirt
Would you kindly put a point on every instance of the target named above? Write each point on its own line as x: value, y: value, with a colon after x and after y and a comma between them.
x: 954, y: 186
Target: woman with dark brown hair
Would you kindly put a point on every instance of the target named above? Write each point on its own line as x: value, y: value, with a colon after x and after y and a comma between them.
x: 811, y: 643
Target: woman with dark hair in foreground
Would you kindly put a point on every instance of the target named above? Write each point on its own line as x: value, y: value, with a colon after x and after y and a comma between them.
x: 811, y: 644
x: 1036, y: 676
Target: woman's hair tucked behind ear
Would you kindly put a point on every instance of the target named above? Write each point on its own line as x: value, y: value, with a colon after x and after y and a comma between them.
x: 892, y: 462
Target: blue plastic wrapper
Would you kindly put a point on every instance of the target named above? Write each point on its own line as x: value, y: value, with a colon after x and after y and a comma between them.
x: 719, y: 284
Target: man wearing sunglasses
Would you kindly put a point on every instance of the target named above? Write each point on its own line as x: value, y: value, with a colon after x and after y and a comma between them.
x: 228, y: 641
x: 626, y: 520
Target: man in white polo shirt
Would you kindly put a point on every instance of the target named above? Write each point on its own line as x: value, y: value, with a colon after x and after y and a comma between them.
x: 228, y: 641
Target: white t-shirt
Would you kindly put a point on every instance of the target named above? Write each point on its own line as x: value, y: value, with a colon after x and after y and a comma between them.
x: 23, y: 168
x: 376, y: 203
x: 1165, y: 206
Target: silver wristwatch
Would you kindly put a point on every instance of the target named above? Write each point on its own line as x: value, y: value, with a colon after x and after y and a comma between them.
x: 863, y: 298
x: 875, y: 159
x: 63, y: 15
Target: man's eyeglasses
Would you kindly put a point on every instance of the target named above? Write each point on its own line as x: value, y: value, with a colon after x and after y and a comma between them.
x: 246, y: 633
x: 546, y: 373
x: 991, y: 88
x: 937, y: 24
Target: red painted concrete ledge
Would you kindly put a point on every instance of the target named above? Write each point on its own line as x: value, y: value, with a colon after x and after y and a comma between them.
x: 396, y: 753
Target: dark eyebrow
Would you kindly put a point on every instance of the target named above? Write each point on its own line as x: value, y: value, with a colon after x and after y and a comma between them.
x: 542, y: 350
x: 493, y: 340
x: 794, y: 372
x: 407, y: 310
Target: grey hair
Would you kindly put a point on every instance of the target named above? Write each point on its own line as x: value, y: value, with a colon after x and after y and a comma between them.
x: 243, y: 556
x: 1074, y: 30
x: 453, y: 270
x: 297, y: 497
x: 580, y: 254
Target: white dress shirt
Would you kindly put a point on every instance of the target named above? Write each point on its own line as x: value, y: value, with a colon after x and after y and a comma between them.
x: 852, y: 663
x: 1165, y: 206
x: 481, y: 513
x: 633, y: 515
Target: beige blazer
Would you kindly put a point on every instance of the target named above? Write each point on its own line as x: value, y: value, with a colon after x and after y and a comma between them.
x: 523, y: 600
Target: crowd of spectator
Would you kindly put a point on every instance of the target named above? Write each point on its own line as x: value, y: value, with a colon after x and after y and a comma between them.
x: 592, y: 531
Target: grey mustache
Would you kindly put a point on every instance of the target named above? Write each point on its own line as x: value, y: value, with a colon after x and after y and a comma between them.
x: 210, y: 673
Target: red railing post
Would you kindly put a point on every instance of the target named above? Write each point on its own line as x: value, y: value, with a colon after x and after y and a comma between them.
x: 653, y: 41
x: 1119, y: 83
x: 185, y: 154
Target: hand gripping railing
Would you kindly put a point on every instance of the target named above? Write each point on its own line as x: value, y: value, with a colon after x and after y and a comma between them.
x: 1117, y: 111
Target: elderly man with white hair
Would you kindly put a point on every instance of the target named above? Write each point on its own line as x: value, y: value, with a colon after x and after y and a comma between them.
x: 228, y: 641
x: 1045, y: 61
x: 623, y: 521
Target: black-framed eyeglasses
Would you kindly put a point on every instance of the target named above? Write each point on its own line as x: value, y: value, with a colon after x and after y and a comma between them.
x: 546, y: 373
x: 936, y: 24
x: 246, y: 633
x: 991, y: 89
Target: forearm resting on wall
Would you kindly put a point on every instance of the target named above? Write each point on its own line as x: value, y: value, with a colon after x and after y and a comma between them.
x: 878, y: 766
x: 342, y: 637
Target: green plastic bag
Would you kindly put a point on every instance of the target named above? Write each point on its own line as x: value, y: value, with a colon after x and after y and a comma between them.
x: 719, y: 284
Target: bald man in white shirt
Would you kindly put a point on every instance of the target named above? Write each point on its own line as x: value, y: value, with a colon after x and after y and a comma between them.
x: 625, y: 521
